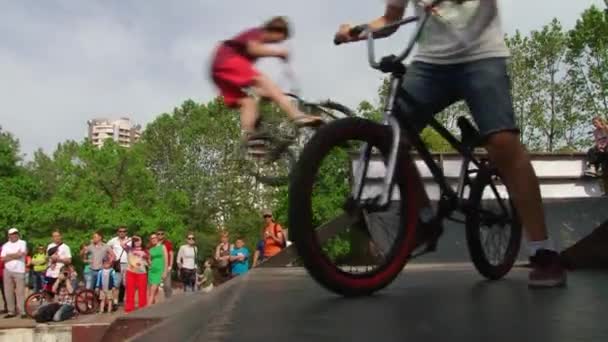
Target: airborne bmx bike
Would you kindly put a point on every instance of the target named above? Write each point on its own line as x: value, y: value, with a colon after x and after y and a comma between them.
x: 369, y: 241
x: 281, y: 141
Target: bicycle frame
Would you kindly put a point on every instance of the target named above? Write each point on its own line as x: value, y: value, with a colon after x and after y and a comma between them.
x: 449, y: 200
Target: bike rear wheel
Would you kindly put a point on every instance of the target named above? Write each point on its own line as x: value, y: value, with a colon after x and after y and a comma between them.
x: 379, y: 243
x: 493, y: 228
x: 35, y: 301
x: 86, y: 302
x: 284, y: 141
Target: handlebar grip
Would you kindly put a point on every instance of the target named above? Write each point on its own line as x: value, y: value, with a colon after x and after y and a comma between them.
x: 354, y: 31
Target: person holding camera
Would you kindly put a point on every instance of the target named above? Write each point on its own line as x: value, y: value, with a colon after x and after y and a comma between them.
x: 62, y: 308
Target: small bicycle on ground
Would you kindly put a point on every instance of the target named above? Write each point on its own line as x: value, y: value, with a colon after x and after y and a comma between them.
x: 85, y: 301
x: 371, y: 239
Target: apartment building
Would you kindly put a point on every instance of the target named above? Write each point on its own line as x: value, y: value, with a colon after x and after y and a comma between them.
x: 123, y: 131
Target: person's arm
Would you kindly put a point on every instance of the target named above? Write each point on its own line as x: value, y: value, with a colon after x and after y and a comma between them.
x: 180, y: 257
x: 68, y: 287
x: 258, y: 49
x: 256, y: 256
x: 165, y: 258
x: 217, y: 252
x: 67, y: 260
x: 111, y: 254
x: 394, y: 11
x: 169, y: 259
x: 278, y: 238
x: 56, y: 284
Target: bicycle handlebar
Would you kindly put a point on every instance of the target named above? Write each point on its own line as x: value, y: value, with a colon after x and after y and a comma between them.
x: 364, y: 30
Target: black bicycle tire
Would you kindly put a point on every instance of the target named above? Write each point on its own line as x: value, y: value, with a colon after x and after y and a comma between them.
x: 44, y: 295
x: 88, y: 311
x: 474, y: 243
x: 300, y: 209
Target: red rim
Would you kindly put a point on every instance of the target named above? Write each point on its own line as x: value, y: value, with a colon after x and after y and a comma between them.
x: 386, y: 271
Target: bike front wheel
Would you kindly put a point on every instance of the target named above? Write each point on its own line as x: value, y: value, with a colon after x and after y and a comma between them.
x: 350, y: 252
x: 493, y: 228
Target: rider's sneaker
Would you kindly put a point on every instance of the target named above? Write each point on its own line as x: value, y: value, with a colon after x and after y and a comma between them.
x: 308, y: 121
x: 547, y: 270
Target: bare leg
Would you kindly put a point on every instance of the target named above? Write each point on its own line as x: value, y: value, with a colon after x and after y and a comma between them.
x: 249, y: 113
x: 515, y: 167
x: 152, y: 295
x: 102, y: 306
x: 265, y: 87
x: 110, y: 302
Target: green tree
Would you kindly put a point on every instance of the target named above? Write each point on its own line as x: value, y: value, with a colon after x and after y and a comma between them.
x: 588, y: 58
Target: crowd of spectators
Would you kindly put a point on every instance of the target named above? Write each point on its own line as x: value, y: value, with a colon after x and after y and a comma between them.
x: 125, y: 271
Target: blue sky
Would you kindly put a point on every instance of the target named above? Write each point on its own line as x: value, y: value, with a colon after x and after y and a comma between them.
x: 63, y: 62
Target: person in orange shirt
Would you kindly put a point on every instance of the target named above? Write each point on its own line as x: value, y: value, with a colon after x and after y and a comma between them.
x: 274, y: 239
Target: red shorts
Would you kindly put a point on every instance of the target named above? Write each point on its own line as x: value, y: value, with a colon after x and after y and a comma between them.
x: 231, y: 76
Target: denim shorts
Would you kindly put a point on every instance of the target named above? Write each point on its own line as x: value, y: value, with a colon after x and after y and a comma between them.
x: 484, y: 85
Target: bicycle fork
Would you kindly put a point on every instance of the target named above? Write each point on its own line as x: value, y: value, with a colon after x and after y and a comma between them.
x: 383, y: 199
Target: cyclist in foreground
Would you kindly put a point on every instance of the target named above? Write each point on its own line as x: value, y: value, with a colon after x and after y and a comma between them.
x: 233, y: 71
x: 444, y: 71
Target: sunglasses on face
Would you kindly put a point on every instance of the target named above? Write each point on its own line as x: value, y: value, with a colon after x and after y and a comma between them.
x: 190, y: 237
x: 267, y: 216
x: 122, y: 231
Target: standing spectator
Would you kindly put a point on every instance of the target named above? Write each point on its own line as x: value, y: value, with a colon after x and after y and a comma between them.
x: 105, y: 285
x: 239, y: 258
x: 99, y: 251
x: 13, y: 254
x: 118, y: 245
x: 274, y: 240
x: 205, y: 280
x: 136, y: 276
x: 158, y: 267
x: 63, y: 306
x: 86, y: 260
x: 58, y: 254
x: 186, y: 262
x: 167, y: 286
x: 222, y: 257
x: 39, y: 262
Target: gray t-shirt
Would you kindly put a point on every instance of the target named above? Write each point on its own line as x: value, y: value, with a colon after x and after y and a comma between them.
x: 105, y: 279
x: 442, y: 42
x: 98, y: 253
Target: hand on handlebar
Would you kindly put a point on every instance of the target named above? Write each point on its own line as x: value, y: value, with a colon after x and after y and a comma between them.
x: 283, y: 54
x: 347, y: 33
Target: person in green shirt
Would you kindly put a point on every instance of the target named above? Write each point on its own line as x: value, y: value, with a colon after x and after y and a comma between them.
x: 39, y: 262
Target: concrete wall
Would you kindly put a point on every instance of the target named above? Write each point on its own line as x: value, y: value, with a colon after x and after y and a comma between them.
x: 41, y: 333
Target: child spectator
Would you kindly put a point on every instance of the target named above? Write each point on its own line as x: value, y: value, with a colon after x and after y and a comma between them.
x: 239, y: 258
x: 205, y: 280
x: 105, y: 285
x: 39, y: 262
